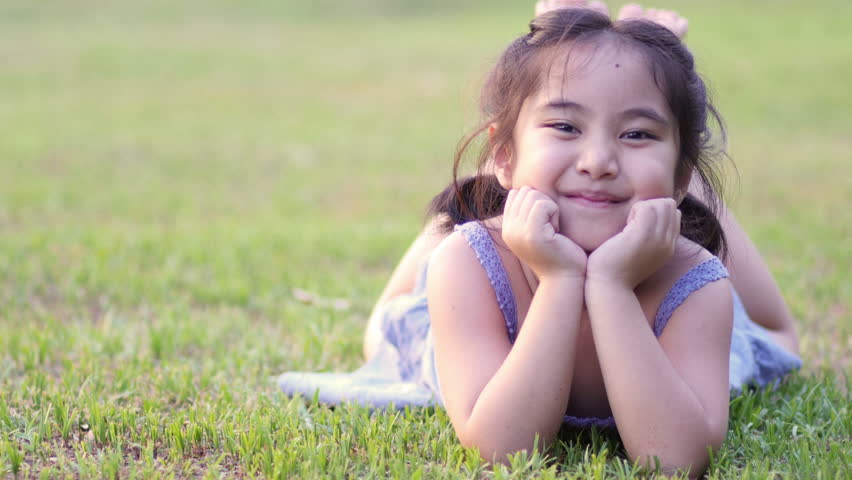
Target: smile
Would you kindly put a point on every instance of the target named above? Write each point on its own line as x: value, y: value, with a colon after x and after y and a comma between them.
x: 594, y: 199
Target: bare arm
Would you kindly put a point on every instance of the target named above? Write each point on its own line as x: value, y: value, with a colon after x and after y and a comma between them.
x: 753, y: 282
x: 500, y: 397
x: 486, y: 381
x: 669, y: 397
x: 755, y: 285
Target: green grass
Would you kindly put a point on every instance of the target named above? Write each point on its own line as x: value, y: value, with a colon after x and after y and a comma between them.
x: 171, y: 172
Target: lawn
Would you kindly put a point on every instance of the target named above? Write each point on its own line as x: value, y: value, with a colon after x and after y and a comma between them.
x: 196, y: 196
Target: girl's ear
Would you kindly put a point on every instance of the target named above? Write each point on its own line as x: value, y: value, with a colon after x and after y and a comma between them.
x: 502, y: 157
x: 682, y: 185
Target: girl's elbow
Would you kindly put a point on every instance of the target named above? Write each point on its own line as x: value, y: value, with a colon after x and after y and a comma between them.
x: 671, y: 465
x: 490, y: 449
x: 490, y: 452
x: 692, y: 460
x: 498, y: 448
x: 501, y: 452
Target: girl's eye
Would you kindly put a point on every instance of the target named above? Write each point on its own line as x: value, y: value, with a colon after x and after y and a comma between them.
x: 639, y: 135
x: 563, y: 127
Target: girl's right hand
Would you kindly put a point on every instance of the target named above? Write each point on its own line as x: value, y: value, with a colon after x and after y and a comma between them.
x: 531, y: 231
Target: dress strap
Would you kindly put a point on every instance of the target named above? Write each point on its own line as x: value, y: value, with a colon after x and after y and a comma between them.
x: 699, y: 276
x: 480, y: 241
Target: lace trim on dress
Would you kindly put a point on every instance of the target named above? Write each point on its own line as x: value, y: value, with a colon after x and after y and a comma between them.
x: 483, y: 245
x: 699, y: 276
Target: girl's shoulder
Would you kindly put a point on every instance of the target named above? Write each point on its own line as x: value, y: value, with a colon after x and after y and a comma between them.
x: 693, y: 282
x: 474, y: 245
x: 472, y: 239
x: 467, y: 284
x: 463, y: 248
x: 683, y: 265
x: 476, y: 254
x: 686, y: 257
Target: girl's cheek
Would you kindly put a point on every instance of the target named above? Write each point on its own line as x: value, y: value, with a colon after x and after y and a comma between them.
x: 657, y: 182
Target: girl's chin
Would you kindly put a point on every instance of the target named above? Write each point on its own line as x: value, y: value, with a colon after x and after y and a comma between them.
x: 589, y: 234
x: 590, y: 243
x: 591, y: 248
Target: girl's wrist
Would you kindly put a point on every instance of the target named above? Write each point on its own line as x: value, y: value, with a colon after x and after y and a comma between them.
x: 598, y: 284
x: 562, y: 282
x: 570, y: 276
x: 605, y: 300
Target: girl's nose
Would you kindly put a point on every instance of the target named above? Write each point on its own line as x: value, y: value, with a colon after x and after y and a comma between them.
x: 598, y: 160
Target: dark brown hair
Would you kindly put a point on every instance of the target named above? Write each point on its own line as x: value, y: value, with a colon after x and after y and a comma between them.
x: 520, y: 72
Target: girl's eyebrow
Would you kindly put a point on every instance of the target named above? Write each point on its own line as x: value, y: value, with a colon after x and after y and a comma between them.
x: 562, y: 104
x: 646, y: 112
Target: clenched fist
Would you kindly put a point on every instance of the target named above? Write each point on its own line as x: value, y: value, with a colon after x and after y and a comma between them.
x: 647, y: 242
x: 531, y: 231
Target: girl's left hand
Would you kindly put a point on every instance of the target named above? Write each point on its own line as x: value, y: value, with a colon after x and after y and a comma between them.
x: 646, y: 244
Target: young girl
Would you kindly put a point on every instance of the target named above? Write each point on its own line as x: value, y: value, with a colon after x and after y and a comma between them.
x: 758, y: 294
x: 579, y: 284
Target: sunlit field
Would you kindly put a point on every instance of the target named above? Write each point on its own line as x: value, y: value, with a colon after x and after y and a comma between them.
x: 196, y: 196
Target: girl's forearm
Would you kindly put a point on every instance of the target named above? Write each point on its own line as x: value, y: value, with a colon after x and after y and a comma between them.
x: 753, y: 280
x: 656, y: 411
x: 528, y: 394
x: 757, y: 288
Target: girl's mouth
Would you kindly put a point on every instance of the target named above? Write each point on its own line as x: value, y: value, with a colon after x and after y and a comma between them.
x: 594, y: 199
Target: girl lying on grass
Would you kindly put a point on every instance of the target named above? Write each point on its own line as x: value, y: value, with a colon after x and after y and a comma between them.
x: 574, y: 279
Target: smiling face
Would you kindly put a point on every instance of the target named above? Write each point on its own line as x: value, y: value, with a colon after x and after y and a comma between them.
x: 597, y: 137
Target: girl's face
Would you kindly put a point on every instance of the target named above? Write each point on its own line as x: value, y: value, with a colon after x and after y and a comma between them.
x: 597, y: 138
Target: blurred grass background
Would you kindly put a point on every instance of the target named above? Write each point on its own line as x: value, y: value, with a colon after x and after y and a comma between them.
x: 171, y: 171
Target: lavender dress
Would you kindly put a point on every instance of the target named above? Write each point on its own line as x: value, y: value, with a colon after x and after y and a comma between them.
x: 402, y: 372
